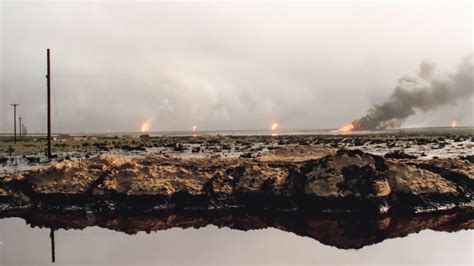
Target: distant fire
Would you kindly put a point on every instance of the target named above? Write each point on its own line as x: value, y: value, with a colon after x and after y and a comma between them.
x: 347, y: 128
x: 195, y: 128
x: 454, y: 123
x: 274, y: 126
x: 146, y: 126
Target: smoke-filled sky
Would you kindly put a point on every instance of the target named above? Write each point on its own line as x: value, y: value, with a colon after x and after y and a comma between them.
x: 224, y: 65
x: 421, y: 93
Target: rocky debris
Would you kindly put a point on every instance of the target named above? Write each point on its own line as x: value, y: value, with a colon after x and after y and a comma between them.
x: 423, y: 144
x: 469, y: 158
x: 3, y: 193
x: 413, y: 181
x: 348, y: 173
x: 462, y: 167
x: 158, y: 175
x: 398, y: 154
x: 70, y: 177
x: 139, y: 147
x: 297, y: 153
x: 246, y: 155
x: 179, y: 147
x: 459, y: 172
x: 251, y: 179
x: 32, y: 159
x: 346, y: 180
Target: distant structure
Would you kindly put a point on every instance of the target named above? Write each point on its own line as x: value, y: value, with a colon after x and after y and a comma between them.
x: 24, y: 131
x: 19, y: 125
x: 14, y: 120
x: 48, y: 80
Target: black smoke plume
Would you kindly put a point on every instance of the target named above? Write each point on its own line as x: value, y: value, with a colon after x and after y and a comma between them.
x: 422, y: 93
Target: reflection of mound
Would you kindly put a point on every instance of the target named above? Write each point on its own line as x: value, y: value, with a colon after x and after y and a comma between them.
x: 346, y: 232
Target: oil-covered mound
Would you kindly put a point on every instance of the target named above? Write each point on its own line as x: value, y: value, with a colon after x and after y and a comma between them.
x: 333, y: 181
x: 341, y: 231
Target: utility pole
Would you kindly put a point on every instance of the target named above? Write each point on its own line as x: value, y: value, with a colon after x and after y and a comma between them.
x: 14, y: 120
x: 48, y: 77
x: 20, y: 126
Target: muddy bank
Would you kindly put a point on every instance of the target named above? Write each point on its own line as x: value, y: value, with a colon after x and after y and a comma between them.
x: 325, y: 180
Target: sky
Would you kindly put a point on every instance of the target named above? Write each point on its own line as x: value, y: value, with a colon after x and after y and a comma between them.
x: 223, y: 65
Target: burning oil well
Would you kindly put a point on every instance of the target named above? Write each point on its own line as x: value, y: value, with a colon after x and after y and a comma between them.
x: 421, y: 93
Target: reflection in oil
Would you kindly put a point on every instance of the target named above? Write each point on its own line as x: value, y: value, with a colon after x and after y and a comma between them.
x: 343, y: 232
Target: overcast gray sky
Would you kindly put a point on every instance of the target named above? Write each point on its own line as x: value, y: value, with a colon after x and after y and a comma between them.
x: 223, y: 65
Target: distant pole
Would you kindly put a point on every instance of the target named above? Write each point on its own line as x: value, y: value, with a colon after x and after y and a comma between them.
x: 48, y: 77
x: 23, y: 130
x: 14, y: 120
x: 19, y: 126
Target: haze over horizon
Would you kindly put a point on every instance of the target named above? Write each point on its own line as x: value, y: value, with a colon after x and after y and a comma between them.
x: 223, y: 66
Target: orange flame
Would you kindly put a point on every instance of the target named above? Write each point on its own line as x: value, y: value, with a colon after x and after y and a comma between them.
x: 454, y: 123
x: 195, y: 127
x: 146, y: 126
x: 274, y: 126
x: 347, y: 128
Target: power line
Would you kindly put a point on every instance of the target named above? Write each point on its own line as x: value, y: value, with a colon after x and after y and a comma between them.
x: 91, y: 75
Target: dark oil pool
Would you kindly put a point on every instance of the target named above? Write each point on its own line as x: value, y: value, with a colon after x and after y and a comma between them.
x: 23, y: 245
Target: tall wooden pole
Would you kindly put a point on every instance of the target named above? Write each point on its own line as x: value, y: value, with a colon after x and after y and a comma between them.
x: 48, y: 76
x: 14, y: 120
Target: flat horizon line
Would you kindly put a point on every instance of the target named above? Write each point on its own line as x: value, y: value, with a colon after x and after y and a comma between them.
x: 231, y: 130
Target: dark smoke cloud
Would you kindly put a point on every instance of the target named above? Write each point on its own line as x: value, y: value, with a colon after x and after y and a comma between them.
x: 420, y: 93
